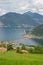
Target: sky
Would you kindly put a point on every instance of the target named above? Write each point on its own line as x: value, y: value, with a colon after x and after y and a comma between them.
x: 21, y: 6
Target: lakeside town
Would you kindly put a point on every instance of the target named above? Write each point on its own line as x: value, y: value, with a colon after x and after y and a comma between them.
x: 21, y: 32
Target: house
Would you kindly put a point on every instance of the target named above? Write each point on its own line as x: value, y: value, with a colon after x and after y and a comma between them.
x: 2, y: 49
x: 24, y: 51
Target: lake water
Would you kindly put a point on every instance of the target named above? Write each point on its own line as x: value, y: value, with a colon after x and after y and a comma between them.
x: 15, y: 34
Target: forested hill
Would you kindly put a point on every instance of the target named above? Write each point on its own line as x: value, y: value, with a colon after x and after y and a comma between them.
x: 38, y: 31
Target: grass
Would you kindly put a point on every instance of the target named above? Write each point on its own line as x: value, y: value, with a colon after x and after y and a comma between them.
x: 13, y: 58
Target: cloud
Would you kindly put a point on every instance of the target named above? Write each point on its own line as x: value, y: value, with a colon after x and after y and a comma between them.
x: 2, y: 11
x: 21, y: 6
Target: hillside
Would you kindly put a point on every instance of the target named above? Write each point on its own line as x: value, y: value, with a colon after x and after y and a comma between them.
x: 38, y: 31
x: 13, y: 58
x: 29, y: 18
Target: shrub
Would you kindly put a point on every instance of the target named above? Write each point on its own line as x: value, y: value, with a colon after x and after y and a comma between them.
x: 18, y: 50
x: 9, y: 47
x: 3, y: 45
x: 38, y: 49
x: 23, y: 47
x: 31, y: 50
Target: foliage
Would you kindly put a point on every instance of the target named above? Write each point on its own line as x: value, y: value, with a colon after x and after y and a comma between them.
x: 3, y: 45
x: 38, y: 31
x: 23, y: 47
x: 17, y: 49
x: 38, y: 49
x: 9, y: 47
x: 31, y: 50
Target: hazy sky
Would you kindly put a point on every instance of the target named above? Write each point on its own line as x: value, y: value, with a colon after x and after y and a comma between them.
x: 21, y: 6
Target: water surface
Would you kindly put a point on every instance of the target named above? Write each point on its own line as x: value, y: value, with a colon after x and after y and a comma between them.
x: 15, y: 34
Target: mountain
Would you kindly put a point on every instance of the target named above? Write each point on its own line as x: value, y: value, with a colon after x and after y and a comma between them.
x: 28, y: 18
x: 35, y: 16
x: 38, y: 30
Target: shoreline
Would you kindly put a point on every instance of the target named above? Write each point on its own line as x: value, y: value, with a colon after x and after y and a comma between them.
x: 32, y: 36
x: 26, y: 36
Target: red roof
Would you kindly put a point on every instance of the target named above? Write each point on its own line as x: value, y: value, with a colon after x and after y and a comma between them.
x: 2, y: 49
x: 24, y: 51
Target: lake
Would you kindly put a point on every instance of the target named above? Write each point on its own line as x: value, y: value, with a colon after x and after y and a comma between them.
x: 15, y: 34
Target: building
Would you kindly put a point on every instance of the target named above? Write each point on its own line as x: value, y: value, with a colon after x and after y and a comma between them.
x: 2, y: 49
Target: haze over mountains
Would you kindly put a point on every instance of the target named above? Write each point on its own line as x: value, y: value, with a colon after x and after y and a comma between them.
x: 12, y: 19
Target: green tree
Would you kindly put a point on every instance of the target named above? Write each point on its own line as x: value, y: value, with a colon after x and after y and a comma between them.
x: 31, y: 50
x: 38, y: 49
x: 23, y: 47
x: 3, y: 45
x: 17, y: 49
x: 9, y: 47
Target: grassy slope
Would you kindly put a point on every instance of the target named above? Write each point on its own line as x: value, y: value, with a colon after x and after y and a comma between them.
x: 12, y: 58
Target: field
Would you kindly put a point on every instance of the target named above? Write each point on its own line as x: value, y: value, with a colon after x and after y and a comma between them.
x: 13, y: 58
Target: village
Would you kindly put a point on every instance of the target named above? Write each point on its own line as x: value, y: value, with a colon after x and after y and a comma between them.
x: 19, y: 48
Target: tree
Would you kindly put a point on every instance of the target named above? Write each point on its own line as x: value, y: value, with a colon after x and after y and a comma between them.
x: 31, y: 50
x: 38, y: 49
x: 23, y: 47
x: 9, y: 47
x: 17, y: 49
x: 3, y: 45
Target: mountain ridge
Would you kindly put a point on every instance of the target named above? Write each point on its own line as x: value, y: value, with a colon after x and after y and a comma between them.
x: 12, y: 19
